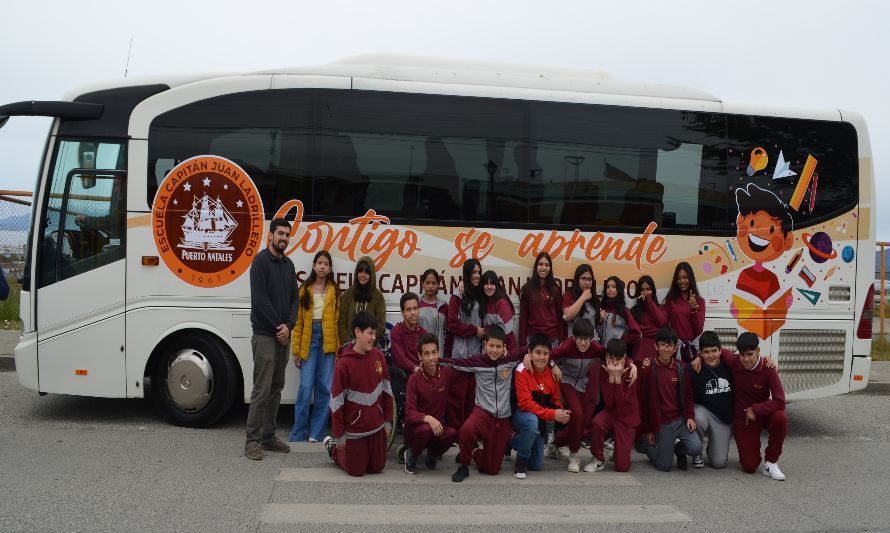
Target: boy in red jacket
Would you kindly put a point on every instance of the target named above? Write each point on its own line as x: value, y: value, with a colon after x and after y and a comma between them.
x: 425, y: 402
x: 621, y: 415
x: 537, y: 402
x: 361, y: 403
x: 759, y: 405
x: 668, y: 412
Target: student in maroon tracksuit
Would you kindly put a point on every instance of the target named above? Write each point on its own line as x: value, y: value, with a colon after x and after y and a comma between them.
x: 759, y: 405
x: 668, y: 410
x: 621, y: 415
x: 361, y: 403
x: 581, y: 300
x: 685, y: 309
x: 499, y: 308
x: 650, y: 318
x: 405, y: 335
x: 466, y: 316
x: 540, y: 304
x: 575, y: 356
x: 615, y: 319
x: 425, y: 403
x: 490, y: 419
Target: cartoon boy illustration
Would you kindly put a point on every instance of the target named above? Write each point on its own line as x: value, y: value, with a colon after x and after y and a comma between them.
x: 764, y: 233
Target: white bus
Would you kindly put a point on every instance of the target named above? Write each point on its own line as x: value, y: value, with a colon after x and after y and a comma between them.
x: 153, y: 195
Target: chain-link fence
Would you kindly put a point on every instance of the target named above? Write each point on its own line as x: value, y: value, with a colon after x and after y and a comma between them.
x: 15, y: 221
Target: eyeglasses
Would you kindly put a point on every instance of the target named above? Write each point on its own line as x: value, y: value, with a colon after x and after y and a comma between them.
x: 666, y: 346
x: 585, y: 278
x: 583, y: 339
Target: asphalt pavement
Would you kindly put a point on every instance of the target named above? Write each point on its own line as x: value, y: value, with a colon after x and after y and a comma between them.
x: 88, y: 464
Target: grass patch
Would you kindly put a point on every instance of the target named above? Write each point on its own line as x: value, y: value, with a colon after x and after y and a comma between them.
x: 9, y: 308
x: 880, y: 348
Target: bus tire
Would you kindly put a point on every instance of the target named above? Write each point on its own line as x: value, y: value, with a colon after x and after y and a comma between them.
x: 194, y: 381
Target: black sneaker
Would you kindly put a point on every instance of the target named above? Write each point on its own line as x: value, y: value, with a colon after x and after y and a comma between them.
x: 462, y: 473
x: 680, y: 452
x: 519, y: 470
x: 410, y: 462
x: 430, y: 463
x: 329, y: 445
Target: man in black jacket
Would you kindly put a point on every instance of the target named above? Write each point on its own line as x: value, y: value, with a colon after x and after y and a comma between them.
x: 273, y: 313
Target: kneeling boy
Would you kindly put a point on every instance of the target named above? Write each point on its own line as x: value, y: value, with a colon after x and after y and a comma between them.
x: 425, y: 401
x: 759, y: 405
x: 361, y: 403
x: 490, y: 418
x: 668, y: 411
x: 537, y: 402
x: 621, y: 414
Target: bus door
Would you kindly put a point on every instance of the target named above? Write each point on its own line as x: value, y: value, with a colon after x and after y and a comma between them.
x: 81, y: 271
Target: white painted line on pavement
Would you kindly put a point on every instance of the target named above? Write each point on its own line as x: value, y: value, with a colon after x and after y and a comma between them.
x: 395, y: 474
x: 433, y: 515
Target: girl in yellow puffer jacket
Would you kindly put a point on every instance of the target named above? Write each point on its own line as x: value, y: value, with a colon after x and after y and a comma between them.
x: 314, y: 341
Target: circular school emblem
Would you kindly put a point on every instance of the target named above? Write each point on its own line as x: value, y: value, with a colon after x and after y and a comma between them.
x: 207, y: 221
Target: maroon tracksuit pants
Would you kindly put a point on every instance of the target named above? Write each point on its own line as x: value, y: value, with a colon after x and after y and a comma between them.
x: 602, y: 424
x: 495, y: 434
x: 572, y: 433
x: 461, y: 398
x: 420, y: 438
x: 747, y: 439
x: 366, y: 455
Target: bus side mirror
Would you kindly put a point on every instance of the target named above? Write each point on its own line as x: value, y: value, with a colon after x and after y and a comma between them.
x: 3, y: 121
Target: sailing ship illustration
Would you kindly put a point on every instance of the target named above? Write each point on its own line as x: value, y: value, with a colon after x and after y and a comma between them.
x: 207, y: 226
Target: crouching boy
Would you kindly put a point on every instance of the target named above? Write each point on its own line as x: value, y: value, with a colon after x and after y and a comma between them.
x: 537, y: 402
x: 490, y: 418
x: 361, y: 403
x: 425, y: 401
x: 621, y: 414
x: 668, y: 413
x: 759, y: 405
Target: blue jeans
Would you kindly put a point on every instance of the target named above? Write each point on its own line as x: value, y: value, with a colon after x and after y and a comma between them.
x: 528, y: 443
x: 662, y: 452
x: 316, y: 375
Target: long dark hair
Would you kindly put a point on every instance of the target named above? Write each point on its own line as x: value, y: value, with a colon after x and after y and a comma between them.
x: 637, y: 310
x: 491, y: 277
x: 532, y: 288
x: 674, y: 291
x: 306, y: 298
x: 362, y: 293
x: 618, y: 302
x: 576, y: 290
x: 472, y: 294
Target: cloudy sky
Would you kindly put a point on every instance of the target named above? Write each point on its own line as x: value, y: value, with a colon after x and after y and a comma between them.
x: 811, y: 54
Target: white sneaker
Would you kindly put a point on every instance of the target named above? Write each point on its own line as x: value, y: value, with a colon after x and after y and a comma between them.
x: 609, y: 444
x: 594, y: 465
x: 312, y: 440
x: 772, y: 470
x: 574, y: 463
x: 563, y: 453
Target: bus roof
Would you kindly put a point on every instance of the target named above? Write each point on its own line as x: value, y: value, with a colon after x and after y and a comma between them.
x: 439, y: 70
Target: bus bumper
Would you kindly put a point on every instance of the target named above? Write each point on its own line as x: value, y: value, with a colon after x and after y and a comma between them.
x: 26, y: 360
x: 859, y: 373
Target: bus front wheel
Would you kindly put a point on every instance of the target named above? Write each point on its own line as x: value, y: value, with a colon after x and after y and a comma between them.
x: 194, y: 381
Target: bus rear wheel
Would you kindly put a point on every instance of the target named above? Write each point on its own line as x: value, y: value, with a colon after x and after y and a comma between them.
x: 194, y: 381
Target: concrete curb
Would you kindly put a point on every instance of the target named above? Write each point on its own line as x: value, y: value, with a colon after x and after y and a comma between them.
x: 7, y: 363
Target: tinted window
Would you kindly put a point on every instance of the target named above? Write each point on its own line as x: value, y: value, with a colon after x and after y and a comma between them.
x: 267, y: 133
x: 826, y: 187
x: 607, y: 166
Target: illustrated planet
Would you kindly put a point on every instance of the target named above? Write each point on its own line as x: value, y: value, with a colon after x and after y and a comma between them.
x: 820, y: 247
x: 847, y: 254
